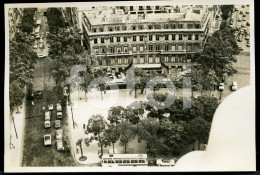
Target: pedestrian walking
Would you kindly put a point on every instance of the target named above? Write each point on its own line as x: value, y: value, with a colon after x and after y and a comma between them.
x: 84, y: 126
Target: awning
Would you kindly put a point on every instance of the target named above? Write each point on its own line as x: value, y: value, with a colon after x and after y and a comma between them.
x: 147, y: 65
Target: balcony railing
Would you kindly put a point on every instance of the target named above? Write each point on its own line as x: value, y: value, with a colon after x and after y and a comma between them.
x: 173, y: 52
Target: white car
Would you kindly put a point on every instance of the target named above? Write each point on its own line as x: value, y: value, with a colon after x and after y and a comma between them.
x: 163, y: 162
x: 234, y: 86
x: 41, y: 45
x: 59, y: 107
x: 47, y: 116
x: 59, y: 115
x: 35, y: 46
x: 41, y: 56
x: 60, y: 146
x: 41, y: 41
x: 221, y: 86
x: 59, y: 134
x: 248, y: 44
x: 47, y: 124
x: 50, y: 107
x: 57, y: 123
x: 47, y: 139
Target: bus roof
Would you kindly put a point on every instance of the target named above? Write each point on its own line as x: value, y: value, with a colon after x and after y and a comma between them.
x: 125, y: 156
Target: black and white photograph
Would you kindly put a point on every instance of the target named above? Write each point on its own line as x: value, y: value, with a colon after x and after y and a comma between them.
x: 141, y: 86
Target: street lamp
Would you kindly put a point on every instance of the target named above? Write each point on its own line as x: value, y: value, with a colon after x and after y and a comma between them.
x: 154, y: 152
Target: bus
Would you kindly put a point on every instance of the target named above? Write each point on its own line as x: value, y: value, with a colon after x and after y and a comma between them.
x: 38, y: 22
x: 114, y: 160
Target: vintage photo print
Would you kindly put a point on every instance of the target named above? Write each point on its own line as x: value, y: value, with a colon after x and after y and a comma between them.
x: 141, y: 86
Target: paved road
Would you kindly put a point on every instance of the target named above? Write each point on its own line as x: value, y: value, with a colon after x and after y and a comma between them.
x: 43, y: 79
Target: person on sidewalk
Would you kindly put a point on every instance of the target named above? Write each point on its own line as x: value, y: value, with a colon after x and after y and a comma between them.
x: 32, y: 103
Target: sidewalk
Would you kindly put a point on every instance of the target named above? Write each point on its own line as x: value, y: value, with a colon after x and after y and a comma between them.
x: 16, y: 144
x: 92, y: 104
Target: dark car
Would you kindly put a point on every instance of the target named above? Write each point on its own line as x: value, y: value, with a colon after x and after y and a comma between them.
x: 30, y: 96
x: 110, y: 76
x: 248, y: 24
x: 118, y: 75
x: 38, y: 94
x: 240, y: 12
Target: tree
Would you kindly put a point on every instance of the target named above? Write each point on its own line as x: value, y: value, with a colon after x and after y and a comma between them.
x: 79, y: 143
x: 134, y: 112
x: 226, y: 11
x: 173, y: 135
x: 127, y: 133
x: 97, y: 125
x: 132, y: 80
x: 116, y: 115
x: 113, y: 135
x: 209, y: 106
x: 198, y: 129
x: 148, y: 129
x: 27, y: 21
x: 196, y: 81
x: 176, y: 78
x: 55, y: 20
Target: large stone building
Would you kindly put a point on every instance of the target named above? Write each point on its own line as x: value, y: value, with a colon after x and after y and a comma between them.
x: 150, y: 37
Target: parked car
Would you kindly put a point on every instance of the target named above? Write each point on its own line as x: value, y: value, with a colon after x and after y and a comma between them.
x: 248, y: 24
x: 240, y: 48
x: 239, y: 19
x: 35, y: 46
x: 164, y: 162
x: 47, y: 124
x: 37, y: 36
x: 59, y: 115
x: 47, y: 116
x: 110, y: 76
x: 57, y: 123
x: 248, y: 44
x: 244, y: 19
x: 60, y: 146
x: 221, y: 86
x: 118, y: 75
x: 234, y: 86
x: 39, y: 94
x: 244, y: 15
x: 247, y: 12
x: 242, y: 25
x: 241, y: 12
x: 58, y: 107
x: 47, y: 139
x: 39, y: 11
x: 243, y: 6
x: 50, y: 107
x: 41, y: 41
x: 239, y: 39
x: 41, y: 56
x: 41, y: 45
x: 247, y: 37
x: 59, y: 134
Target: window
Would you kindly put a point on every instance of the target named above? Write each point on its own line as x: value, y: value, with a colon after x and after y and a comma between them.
x: 150, y: 37
x: 196, y: 37
x: 103, y: 50
x: 134, y: 48
x: 103, y: 62
x: 166, y: 59
x: 118, y: 39
x: 125, y: 49
x: 140, y: 7
x: 112, y: 50
x: 96, y: 50
x: 140, y: 27
x: 119, y: 50
x: 150, y: 48
x: 157, y: 47
x: 134, y: 38
x: 125, y: 39
x: 112, y: 61
x: 166, y: 48
x: 150, y: 27
x: 173, y: 59
x: 94, y: 30
x: 157, y: 26
x: 180, y: 47
x: 180, y: 26
x: 166, y: 26
x: 126, y: 60
x: 95, y: 41
x: 110, y: 29
x: 157, y: 60
x: 118, y: 28
x: 148, y: 7
x: 134, y: 61
x: 157, y: 8
x: 173, y: 37
x: 102, y: 40
x: 157, y: 37
x: 142, y: 60
x: 123, y: 27
x: 141, y: 38
x: 112, y: 39
x: 101, y: 29
x: 180, y: 37
x: 141, y: 48
x: 119, y: 61
x: 131, y: 8
x: 189, y: 36
x: 173, y: 26
x: 119, y: 161
x: 134, y: 27
x: 190, y: 26
x: 150, y: 59
x: 141, y: 161
x: 197, y: 26
x: 173, y: 47
x: 166, y: 37
x: 189, y: 47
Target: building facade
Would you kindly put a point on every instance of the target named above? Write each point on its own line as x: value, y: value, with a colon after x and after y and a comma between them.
x: 150, y: 37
